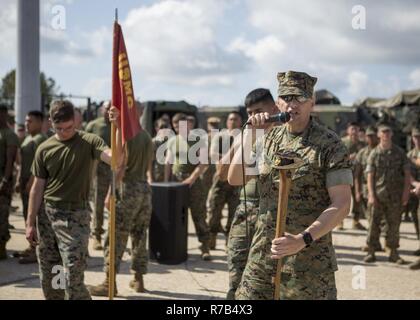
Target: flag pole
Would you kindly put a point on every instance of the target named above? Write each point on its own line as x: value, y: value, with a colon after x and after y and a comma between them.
x: 111, y: 227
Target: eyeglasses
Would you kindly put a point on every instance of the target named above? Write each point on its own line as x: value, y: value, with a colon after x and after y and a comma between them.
x: 289, y: 98
x: 67, y: 129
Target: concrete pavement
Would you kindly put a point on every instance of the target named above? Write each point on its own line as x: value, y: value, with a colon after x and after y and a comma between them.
x: 197, y: 279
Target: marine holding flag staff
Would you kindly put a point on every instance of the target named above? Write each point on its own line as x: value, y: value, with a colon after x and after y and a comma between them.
x: 133, y: 212
x: 58, y: 215
x: 319, y: 199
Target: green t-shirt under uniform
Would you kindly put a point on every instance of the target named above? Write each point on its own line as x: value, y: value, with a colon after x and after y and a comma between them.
x: 27, y: 153
x: 67, y: 165
x: 140, y: 154
x: 102, y: 128
x: 7, y: 139
x: 180, y: 147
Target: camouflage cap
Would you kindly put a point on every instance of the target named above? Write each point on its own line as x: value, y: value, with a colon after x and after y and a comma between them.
x: 415, y: 132
x: 296, y: 83
x: 213, y: 120
x: 384, y: 127
x: 370, y: 131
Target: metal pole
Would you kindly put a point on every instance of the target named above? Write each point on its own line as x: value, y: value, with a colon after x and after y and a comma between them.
x: 28, y: 87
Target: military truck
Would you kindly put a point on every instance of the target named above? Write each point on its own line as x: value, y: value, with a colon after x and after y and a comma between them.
x: 401, y: 111
x: 153, y: 110
x: 329, y: 111
x: 221, y: 112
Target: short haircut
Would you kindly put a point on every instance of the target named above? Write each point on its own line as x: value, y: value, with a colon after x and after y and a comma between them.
x: 179, y: 117
x: 61, y: 111
x: 139, y: 106
x: 161, y: 124
x: 353, y: 124
x: 36, y: 114
x: 236, y: 113
x: 258, y: 95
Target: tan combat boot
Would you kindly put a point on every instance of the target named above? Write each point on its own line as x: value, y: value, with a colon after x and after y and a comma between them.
x: 394, y: 257
x: 415, y: 265
x: 205, y: 251
x: 212, y: 242
x: 97, y: 243
x: 18, y: 254
x: 101, y: 290
x: 378, y: 248
x: 358, y: 226
x: 3, y: 252
x: 370, y: 258
x: 29, y: 257
x: 137, y: 283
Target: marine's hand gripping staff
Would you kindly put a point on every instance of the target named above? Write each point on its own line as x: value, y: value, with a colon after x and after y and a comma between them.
x: 286, y: 162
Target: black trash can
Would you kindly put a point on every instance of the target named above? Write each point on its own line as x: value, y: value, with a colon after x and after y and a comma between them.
x: 168, y: 232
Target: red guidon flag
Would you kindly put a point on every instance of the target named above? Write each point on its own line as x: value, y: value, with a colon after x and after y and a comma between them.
x: 122, y: 88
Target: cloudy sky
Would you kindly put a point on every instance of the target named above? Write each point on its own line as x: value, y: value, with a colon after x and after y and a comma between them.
x: 213, y: 52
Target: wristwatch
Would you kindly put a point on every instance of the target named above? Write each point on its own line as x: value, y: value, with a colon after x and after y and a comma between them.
x: 307, y: 238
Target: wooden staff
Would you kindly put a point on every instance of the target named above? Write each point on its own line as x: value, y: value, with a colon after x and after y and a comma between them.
x: 284, y: 188
x: 111, y: 226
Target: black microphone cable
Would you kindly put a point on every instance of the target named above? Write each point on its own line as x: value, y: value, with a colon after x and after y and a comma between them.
x: 282, y: 117
x: 244, y: 190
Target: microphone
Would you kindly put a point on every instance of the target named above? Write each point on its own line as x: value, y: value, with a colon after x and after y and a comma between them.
x: 281, y: 117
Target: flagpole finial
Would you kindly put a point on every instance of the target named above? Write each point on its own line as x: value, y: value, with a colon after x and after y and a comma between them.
x: 116, y: 14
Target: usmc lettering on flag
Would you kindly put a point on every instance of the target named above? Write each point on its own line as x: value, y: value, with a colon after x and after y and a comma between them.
x: 125, y: 76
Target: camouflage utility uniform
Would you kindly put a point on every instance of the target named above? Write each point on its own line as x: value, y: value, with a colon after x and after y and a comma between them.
x: 413, y: 204
x: 158, y: 164
x: 7, y: 139
x: 240, y: 235
x: 27, y: 154
x: 221, y: 191
x: 181, y: 170
x: 354, y: 148
x: 310, y: 273
x: 134, y: 206
x: 360, y: 165
x: 102, y: 175
x: 388, y: 167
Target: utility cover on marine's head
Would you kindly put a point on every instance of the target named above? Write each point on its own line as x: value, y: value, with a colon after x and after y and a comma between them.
x: 296, y: 83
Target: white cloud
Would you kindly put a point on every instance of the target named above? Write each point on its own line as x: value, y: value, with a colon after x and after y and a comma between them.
x: 415, y: 78
x: 175, y: 42
x: 361, y: 84
x: 97, y: 87
x: 357, y: 82
x: 8, y: 33
x: 180, y: 49
x: 52, y: 42
x: 88, y: 46
x: 322, y: 30
x: 264, y: 51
